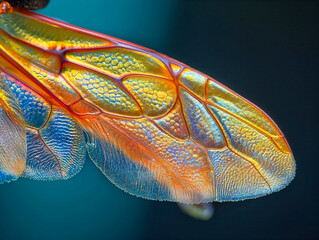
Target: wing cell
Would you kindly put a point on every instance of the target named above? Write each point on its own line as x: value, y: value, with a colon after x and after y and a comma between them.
x: 202, y: 127
x: 156, y: 96
x: 118, y: 62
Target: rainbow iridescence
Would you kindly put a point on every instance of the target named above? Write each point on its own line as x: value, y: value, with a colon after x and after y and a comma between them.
x: 155, y: 127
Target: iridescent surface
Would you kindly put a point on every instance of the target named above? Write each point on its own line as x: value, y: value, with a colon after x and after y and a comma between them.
x: 12, y: 130
x: 155, y: 127
x: 119, y: 62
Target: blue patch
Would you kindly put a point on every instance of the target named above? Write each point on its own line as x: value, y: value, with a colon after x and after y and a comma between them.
x: 124, y: 172
x: 57, y: 151
x: 4, y: 177
x: 33, y: 109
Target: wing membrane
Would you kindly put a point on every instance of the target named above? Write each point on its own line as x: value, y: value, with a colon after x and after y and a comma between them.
x: 155, y: 127
x: 55, y: 142
x: 12, y: 130
x: 137, y: 148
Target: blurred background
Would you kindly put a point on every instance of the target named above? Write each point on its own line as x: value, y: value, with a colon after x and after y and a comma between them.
x: 267, y: 51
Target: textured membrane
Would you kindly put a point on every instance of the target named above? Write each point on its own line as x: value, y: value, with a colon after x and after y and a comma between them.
x: 222, y: 97
x: 173, y: 123
x: 275, y: 166
x: 193, y: 81
x: 123, y: 170
x: 103, y: 91
x: 155, y: 127
x: 12, y: 130
x: 28, y: 54
x: 119, y: 62
x: 35, y: 109
x: 155, y: 96
x: 47, y: 36
x: 202, y: 127
x: 57, y: 151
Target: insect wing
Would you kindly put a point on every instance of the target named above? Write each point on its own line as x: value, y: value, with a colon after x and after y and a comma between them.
x: 155, y: 127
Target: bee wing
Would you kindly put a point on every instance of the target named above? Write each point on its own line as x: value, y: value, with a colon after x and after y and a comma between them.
x: 155, y: 127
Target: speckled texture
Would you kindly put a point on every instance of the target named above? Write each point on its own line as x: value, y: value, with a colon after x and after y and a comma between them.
x: 34, y: 108
x: 276, y: 167
x: 119, y: 62
x: 173, y: 123
x: 193, y: 81
x: 57, y: 150
x: 101, y: 90
x: 28, y: 55
x: 155, y: 96
x: 229, y: 101
x: 202, y: 127
x: 12, y: 130
x: 44, y: 35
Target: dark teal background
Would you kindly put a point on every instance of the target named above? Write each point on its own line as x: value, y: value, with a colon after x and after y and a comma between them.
x: 266, y: 51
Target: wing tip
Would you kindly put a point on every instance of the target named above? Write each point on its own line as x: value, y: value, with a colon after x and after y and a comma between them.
x: 291, y: 173
x: 281, y: 184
